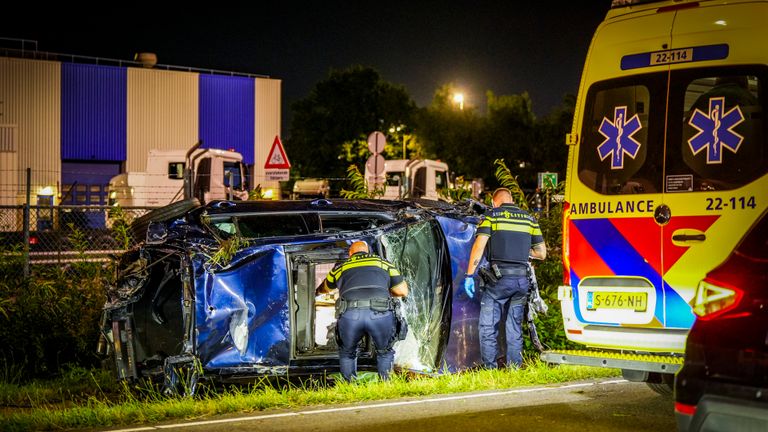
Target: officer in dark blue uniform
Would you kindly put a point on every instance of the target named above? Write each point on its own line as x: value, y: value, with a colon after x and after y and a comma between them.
x: 366, y: 286
x: 513, y: 236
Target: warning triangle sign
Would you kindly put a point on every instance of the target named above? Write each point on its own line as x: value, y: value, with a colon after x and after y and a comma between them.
x: 277, y: 158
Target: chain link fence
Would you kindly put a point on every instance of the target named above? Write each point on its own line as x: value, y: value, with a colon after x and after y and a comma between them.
x: 75, y: 239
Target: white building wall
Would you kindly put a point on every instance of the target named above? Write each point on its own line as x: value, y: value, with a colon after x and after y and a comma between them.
x: 30, y: 103
x: 162, y: 113
x: 267, y: 126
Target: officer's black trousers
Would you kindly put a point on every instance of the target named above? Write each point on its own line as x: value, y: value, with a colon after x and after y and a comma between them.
x: 353, y: 325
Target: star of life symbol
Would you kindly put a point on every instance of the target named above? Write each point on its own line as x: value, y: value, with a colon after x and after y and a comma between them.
x: 715, y: 130
x: 618, y: 137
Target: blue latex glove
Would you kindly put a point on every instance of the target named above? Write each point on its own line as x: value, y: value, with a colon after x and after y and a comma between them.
x: 469, y: 286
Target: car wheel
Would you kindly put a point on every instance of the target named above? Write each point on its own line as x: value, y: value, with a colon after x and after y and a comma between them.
x: 140, y: 225
x: 663, y: 389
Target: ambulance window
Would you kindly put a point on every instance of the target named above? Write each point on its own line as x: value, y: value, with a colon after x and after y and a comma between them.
x: 721, y: 136
x: 616, y: 155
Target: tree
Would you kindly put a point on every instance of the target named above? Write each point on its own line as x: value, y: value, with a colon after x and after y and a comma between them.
x: 551, y: 153
x: 449, y: 133
x: 510, y: 133
x: 470, y: 142
x: 330, y: 126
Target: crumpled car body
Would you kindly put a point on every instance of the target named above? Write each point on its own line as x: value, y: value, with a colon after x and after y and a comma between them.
x: 227, y: 290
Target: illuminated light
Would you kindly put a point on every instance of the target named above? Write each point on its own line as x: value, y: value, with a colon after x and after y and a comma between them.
x: 113, y: 194
x: 46, y: 191
x: 32, y: 240
x: 713, y: 299
x: 459, y: 99
x: 566, y: 249
x: 721, y: 22
x: 738, y: 315
x: 392, y: 130
x: 685, y: 409
x: 269, y: 194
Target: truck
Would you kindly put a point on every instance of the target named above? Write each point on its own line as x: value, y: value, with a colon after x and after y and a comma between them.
x: 410, y: 178
x: 667, y: 172
x: 214, y: 173
x: 311, y: 188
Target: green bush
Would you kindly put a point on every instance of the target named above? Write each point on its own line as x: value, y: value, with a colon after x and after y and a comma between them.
x: 50, y: 318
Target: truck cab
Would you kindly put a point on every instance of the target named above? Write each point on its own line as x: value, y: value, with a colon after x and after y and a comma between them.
x: 411, y: 178
x: 219, y: 174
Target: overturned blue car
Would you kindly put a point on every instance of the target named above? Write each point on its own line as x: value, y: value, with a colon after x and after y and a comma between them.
x: 226, y: 291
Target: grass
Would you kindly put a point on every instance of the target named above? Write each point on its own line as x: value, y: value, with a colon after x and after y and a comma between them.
x: 75, y: 385
x: 145, y: 405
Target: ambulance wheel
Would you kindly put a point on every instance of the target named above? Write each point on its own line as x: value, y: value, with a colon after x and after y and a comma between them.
x: 173, y: 210
x: 661, y: 383
x: 663, y: 389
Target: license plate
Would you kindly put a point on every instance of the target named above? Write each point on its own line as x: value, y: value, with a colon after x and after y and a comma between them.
x: 617, y: 300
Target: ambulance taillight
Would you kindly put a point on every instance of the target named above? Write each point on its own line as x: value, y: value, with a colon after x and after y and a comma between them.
x: 566, y: 260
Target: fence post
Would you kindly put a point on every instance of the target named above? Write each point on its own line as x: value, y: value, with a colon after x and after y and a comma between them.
x: 26, y: 222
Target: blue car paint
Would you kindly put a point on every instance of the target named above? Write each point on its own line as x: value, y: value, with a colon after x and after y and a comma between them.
x: 256, y: 285
x: 222, y: 296
x: 463, y: 348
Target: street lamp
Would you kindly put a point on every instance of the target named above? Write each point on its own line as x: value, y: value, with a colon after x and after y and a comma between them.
x: 393, y: 130
x: 459, y: 99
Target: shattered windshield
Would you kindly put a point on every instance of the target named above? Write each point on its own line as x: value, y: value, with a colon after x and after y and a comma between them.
x: 418, y: 252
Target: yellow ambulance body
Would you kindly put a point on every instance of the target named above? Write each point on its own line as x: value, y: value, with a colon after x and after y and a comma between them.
x: 666, y: 168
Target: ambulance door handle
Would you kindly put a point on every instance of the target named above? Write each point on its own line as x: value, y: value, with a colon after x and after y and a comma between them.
x: 686, y: 237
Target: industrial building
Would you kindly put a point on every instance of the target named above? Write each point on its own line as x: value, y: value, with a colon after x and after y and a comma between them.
x: 78, y: 121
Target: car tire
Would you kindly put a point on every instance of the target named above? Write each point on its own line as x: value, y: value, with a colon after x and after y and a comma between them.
x: 663, y: 388
x: 173, y: 210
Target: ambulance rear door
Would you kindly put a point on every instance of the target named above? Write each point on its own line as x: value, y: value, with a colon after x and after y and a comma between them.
x: 615, y: 183
x: 715, y: 159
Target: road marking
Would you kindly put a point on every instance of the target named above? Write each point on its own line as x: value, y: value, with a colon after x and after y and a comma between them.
x: 362, y: 407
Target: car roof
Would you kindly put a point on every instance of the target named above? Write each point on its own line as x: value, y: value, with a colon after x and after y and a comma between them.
x: 318, y: 205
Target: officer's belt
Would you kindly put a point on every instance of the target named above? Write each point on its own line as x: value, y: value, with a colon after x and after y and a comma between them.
x: 513, y: 271
x: 367, y: 304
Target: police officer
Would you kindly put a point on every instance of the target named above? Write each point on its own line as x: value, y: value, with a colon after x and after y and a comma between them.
x: 513, y: 236
x: 366, y: 286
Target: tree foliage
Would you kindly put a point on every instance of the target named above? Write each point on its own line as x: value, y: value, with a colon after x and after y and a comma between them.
x: 330, y: 126
x: 507, y: 180
x: 358, y: 186
x: 470, y: 142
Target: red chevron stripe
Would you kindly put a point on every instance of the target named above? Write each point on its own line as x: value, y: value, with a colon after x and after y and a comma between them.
x: 584, y: 259
x: 644, y: 234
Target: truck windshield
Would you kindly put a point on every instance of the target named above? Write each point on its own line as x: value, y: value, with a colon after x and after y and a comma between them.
x: 395, y: 178
x: 232, y: 170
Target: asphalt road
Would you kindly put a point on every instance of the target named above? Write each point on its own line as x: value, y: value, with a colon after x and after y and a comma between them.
x: 592, y: 406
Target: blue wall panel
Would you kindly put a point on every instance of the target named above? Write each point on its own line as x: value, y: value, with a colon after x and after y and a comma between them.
x: 227, y: 114
x: 93, y: 112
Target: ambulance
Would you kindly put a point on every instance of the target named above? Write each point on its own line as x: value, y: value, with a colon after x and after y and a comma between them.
x: 666, y: 173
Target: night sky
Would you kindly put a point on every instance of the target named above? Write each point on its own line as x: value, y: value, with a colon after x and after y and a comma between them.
x: 507, y: 47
